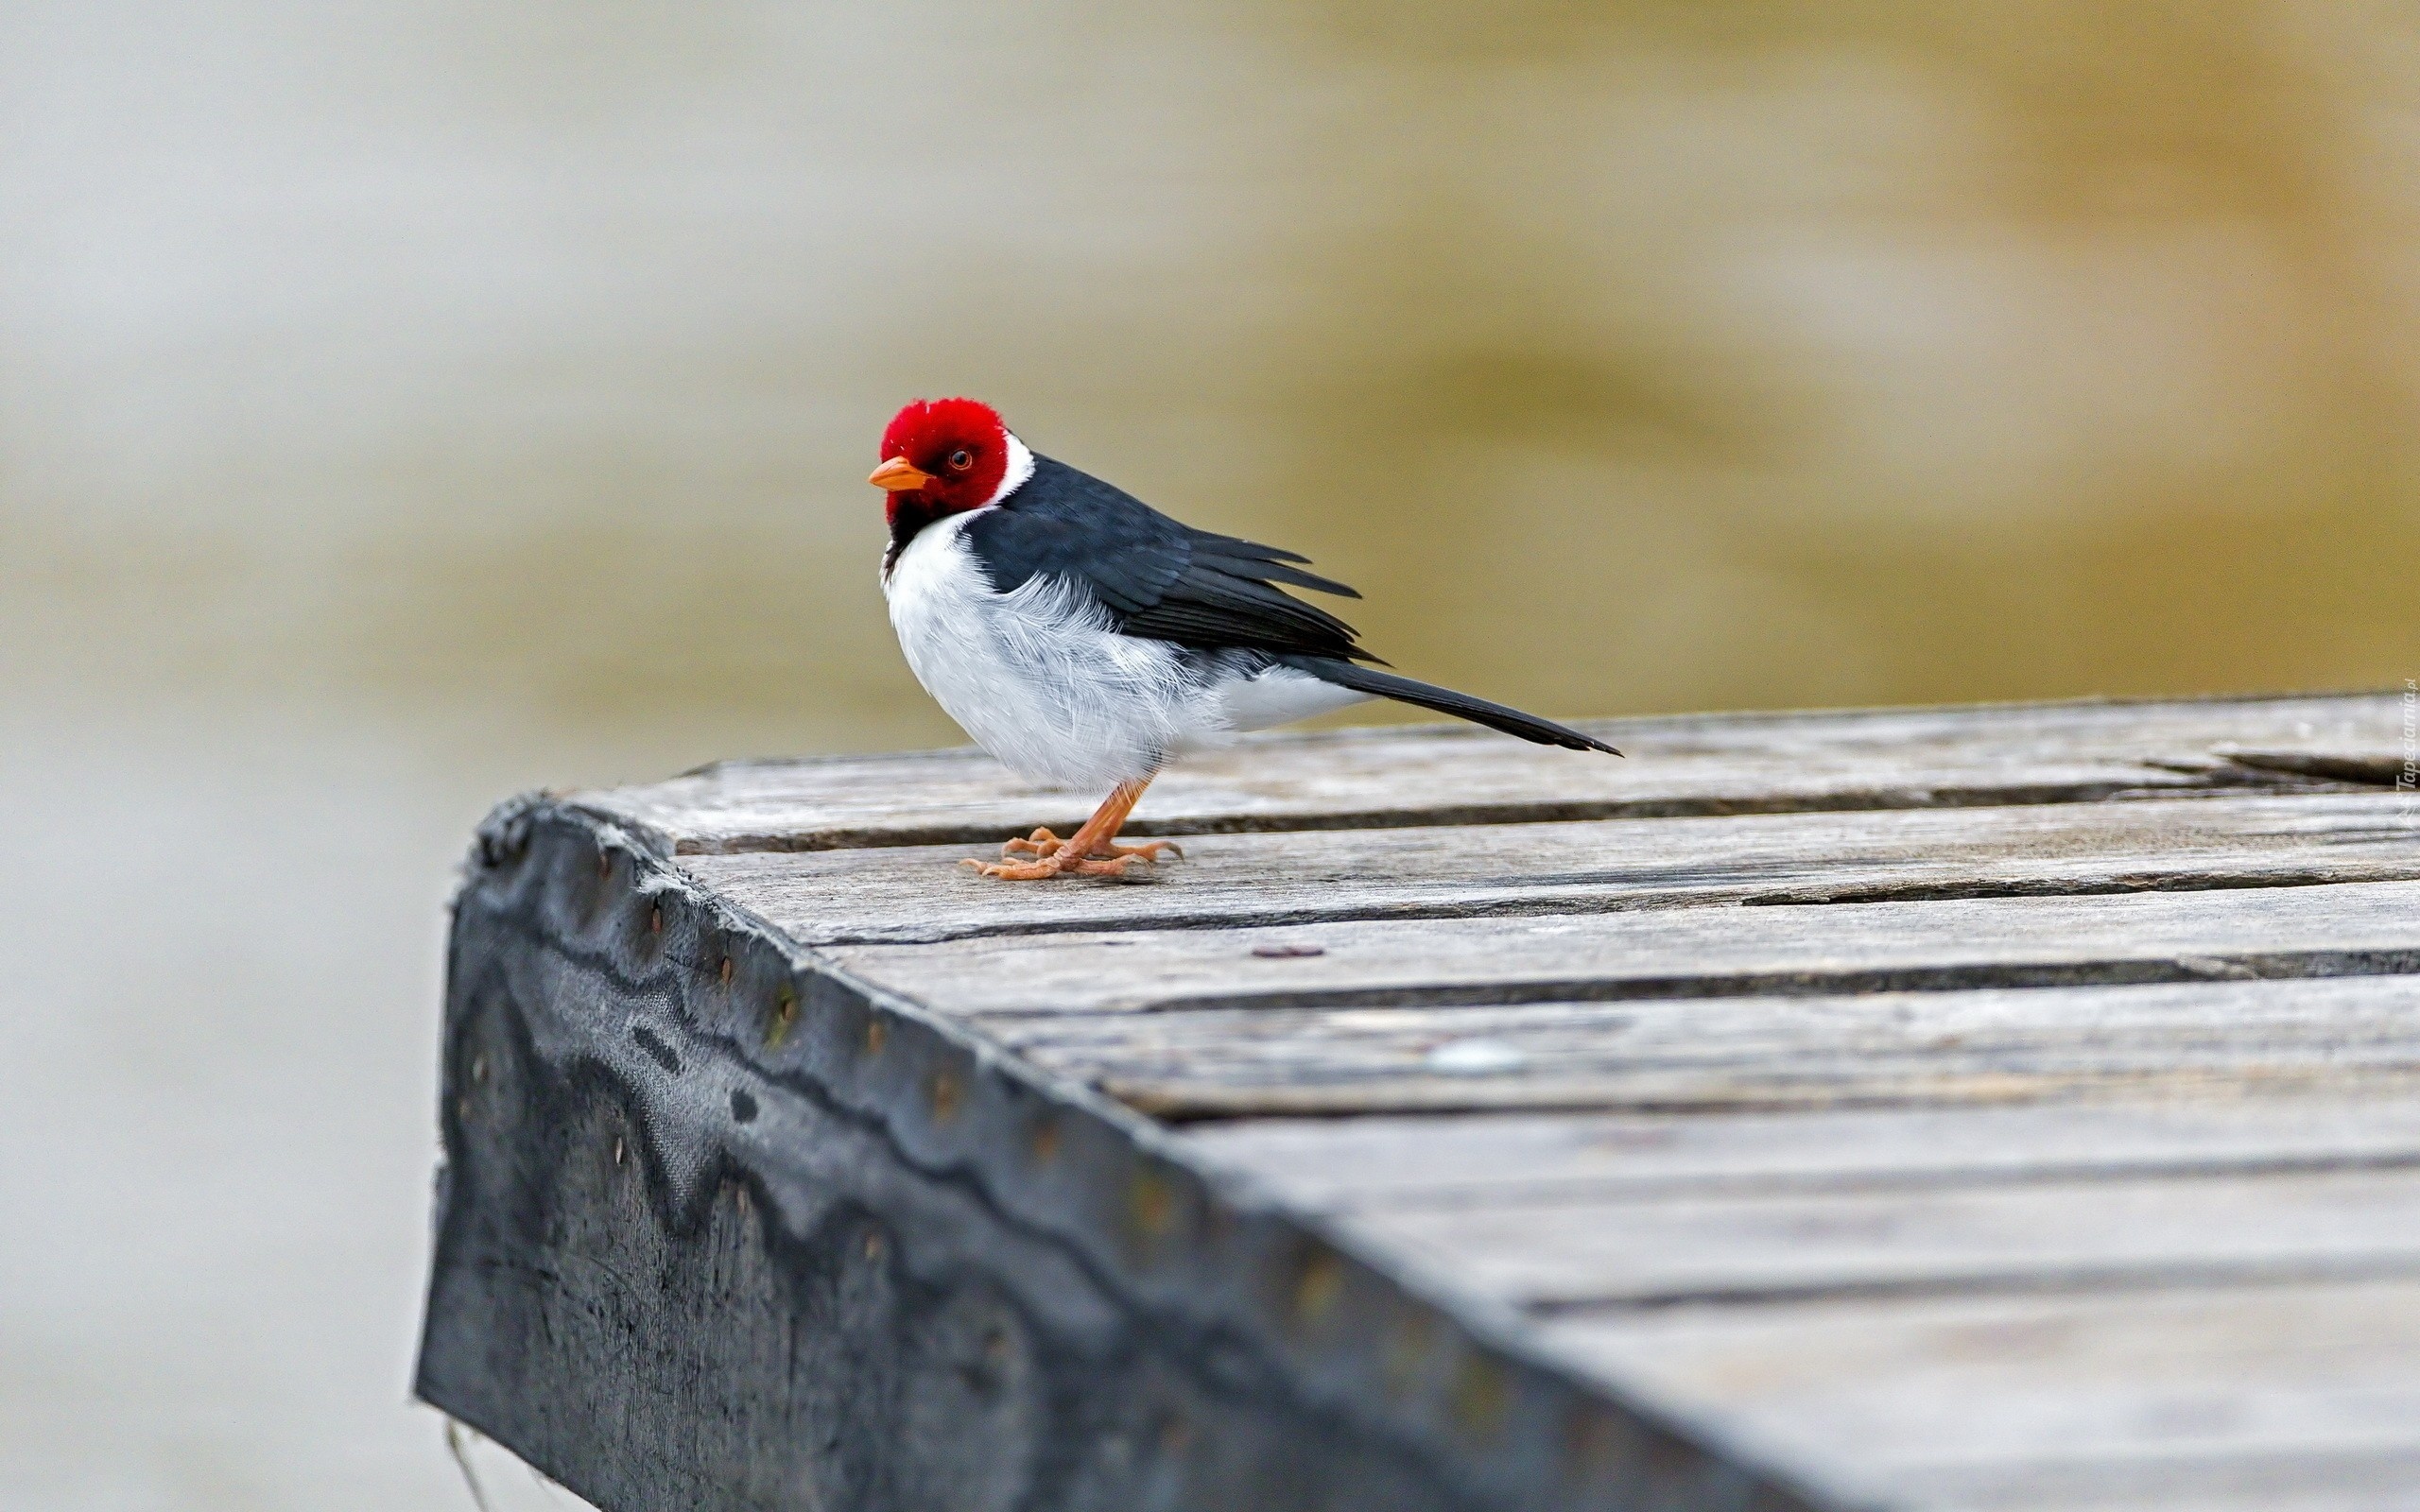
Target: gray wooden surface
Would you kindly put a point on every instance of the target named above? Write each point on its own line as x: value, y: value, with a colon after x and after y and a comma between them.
x: 2004, y: 1108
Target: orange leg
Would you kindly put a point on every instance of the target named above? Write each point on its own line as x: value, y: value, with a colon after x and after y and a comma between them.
x: 1091, y: 851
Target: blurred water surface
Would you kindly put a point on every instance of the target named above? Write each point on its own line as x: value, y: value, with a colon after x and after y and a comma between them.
x: 403, y: 405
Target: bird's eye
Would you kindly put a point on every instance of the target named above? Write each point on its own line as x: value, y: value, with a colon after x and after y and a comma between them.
x: 961, y: 460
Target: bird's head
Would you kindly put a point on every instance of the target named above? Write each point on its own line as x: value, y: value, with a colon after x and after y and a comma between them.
x: 943, y: 457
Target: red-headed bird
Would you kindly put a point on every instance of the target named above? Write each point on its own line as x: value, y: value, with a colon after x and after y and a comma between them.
x: 1081, y: 635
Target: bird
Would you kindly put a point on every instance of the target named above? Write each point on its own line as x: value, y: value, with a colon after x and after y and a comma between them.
x: 1082, y: 637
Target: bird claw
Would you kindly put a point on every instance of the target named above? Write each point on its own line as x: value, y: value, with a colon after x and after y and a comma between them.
x: 1148, y: 849
x: 1057, y: 864
x: 1091, y: 851
x: 1043, y: 844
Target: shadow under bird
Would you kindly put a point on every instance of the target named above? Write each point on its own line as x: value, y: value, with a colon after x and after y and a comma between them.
x: 1082, y: 637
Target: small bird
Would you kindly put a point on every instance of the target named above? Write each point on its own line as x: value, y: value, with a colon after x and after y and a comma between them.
x: 1081, y: 635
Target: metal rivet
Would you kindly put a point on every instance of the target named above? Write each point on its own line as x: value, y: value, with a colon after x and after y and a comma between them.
x: 1318, y: 1285
x: 1153, y: 1203
x: 1176, y: 1434
x: 784, y: 1019
x: 1587, y: 1442
x: 1407, y: 1346
x: 1482, y: 1396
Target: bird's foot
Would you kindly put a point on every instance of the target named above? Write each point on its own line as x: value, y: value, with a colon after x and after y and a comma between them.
x: 1060, y: 863
x: 1043, y: 844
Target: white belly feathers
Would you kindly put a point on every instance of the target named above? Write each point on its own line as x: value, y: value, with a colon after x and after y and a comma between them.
x: 1036, y: 674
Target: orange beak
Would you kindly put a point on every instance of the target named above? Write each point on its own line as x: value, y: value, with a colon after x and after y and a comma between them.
x: 898, y: 476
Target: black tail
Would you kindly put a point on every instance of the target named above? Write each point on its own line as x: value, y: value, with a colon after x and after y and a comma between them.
x: 1444, y: 701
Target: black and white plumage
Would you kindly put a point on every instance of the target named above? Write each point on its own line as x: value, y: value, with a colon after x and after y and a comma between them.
x: 1082, y: 637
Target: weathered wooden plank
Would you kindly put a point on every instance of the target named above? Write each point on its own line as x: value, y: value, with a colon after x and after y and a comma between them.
x: 2330, y: 930
x: 857, y: 896
x: 2285, y: 1396
x: 1455, y: 775
x: 1350, y: 1163
x: 722, y: 1230
x: 1714, y: 1052
x: 2385, y: 1479
x: 2043, y: 1236
x: 783, y: 1178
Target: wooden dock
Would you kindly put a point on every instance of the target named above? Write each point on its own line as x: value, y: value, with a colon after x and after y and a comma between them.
x: 2007, y: 1108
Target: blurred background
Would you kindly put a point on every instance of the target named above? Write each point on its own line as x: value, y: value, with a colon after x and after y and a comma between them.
x: 406, y: 404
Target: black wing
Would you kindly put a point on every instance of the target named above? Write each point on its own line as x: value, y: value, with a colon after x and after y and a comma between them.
x: 1157, y: 577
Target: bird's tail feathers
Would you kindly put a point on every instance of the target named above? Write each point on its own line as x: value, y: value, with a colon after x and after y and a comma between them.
x: 1444, y: 701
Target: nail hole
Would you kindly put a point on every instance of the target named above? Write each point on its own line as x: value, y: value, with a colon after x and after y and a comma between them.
x: 785, y: 1019
x: 743, y: 1106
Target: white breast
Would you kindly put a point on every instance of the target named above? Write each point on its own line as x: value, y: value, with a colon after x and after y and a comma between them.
x: 1038, y: 676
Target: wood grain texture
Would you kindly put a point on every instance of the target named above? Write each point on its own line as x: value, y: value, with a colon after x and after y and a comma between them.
x: 913, y: 895
x: 2330, y: 930
x: 1454, y: 774
x: 2236, y: 1398
x: 2051, y: 1236
x: 1994, y: 1108
x: 1717, y: 1053
x: 720, y: 1232
x: 1471, y: 1160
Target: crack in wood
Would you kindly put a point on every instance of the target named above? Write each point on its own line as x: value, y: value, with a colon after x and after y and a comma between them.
x: 2044, y: 1282
x: 1552, y: 900
x: 2212, y: 784
x: 2126, y: 972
